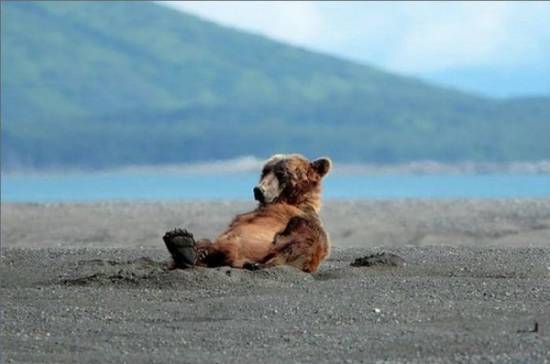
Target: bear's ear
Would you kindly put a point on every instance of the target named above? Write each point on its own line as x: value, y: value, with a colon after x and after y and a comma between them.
x: 322, y: 166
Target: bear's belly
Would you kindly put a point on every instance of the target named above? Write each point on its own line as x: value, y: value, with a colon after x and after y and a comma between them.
x: 256, y: 241
x: 253, y: 241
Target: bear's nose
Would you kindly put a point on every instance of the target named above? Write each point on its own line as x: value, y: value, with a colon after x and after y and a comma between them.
x: 258, y: 194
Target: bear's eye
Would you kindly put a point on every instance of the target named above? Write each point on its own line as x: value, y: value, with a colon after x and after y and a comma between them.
x: 281, y: 174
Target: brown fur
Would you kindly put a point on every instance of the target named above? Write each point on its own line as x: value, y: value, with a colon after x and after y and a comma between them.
x: 284, y: 231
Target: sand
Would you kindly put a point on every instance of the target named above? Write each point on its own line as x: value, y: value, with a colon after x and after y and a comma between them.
x: 88, y: 283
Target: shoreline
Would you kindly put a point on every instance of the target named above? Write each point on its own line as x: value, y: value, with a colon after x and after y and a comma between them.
x: 253, y: 165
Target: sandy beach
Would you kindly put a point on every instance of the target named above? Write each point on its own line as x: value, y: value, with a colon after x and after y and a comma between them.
x: 88, y: 283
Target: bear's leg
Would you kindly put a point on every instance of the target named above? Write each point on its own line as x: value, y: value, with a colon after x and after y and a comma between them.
x: 187, y: 253
x: 228, y: 255
x: 213, y: 254
x: 303, y: 244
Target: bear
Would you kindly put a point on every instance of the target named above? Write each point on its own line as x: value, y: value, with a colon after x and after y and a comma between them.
x: 284, y: 229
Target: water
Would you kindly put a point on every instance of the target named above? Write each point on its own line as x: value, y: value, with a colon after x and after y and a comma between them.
x: 131, y: 186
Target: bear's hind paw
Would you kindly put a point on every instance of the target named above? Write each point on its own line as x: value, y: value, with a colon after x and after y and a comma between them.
x: 181, y: 245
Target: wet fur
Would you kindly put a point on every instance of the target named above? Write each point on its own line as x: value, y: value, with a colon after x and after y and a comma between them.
x: 286, y: 231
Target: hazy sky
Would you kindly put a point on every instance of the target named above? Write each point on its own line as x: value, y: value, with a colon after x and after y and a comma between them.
x: 408, y: 37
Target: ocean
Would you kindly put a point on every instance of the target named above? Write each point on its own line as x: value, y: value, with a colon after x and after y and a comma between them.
x: 168, y: 186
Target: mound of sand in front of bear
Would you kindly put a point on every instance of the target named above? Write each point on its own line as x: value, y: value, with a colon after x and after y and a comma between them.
x: 148, y: 273
x: 145, y: 272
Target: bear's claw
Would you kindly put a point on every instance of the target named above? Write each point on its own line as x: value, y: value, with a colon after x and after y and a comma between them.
x: 182, y: 247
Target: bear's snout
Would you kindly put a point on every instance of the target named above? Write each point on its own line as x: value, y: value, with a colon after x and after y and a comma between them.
x: 259, y: 194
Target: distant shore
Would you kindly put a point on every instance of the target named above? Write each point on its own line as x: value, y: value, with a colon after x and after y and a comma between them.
x: 253, y: 164
x: 433, y: 167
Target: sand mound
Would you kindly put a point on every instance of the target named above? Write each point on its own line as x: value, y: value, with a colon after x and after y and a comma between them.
x: 379, y: 260
x: 145, y: 272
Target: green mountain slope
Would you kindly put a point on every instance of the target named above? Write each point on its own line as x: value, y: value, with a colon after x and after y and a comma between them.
x: 98, y: 84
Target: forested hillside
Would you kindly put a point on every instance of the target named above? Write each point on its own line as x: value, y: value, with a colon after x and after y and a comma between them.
x: 103, y: 84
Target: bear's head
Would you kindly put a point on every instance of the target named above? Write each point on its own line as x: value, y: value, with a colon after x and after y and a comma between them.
x: 292, y: 179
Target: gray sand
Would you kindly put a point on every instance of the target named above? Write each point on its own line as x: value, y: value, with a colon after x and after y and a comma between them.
x: 502, y: 223
x: 88, y: 283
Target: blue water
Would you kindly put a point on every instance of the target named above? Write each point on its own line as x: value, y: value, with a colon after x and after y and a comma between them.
x: 238, y: 186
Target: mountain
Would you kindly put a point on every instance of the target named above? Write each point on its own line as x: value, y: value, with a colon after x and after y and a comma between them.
x: 496, y: 81
x: 103, y: 84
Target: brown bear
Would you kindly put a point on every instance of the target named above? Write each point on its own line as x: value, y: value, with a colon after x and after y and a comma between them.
x: 284, y: 229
